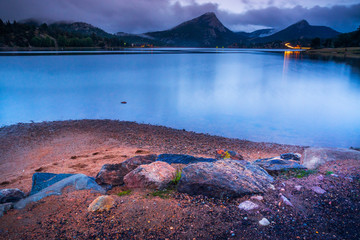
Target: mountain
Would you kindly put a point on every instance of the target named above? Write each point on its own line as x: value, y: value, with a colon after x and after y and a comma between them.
x: 257, y: 33
x: 203, y: 31
x: 81, y: 28
x: 300, y: 30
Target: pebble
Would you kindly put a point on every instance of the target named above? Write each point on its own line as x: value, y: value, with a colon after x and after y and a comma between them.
x: 286, y: 201
x: 264, y: 222
x: 320, y: 177
x: 257, y: 197
x: 318, y: 190
x: 298, y: 187
x: 248, y: 206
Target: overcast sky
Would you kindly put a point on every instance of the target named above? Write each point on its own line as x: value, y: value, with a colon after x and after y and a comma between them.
x: 139, y: 16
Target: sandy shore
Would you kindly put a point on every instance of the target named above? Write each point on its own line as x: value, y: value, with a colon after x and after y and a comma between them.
x: 84, y: 146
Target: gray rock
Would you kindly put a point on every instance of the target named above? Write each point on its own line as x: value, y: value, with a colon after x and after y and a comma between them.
x: 11, y: 195
x: 315, y: 157
x: 114, y: 174
x: 5, y: 207
x: 157, y: 175
x: 75, y: 182
x: 182, y: 159
x: 291, y: 156
x: 277, y: 164
x: 41, y: 181
x: 224, y: 178
x: 248, y: 206
x: 298, y: 187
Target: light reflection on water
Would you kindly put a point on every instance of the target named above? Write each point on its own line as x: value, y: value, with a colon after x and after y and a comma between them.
x: 262, y: 96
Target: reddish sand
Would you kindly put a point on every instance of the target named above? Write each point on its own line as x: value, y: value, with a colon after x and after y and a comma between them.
x: 84, y: 146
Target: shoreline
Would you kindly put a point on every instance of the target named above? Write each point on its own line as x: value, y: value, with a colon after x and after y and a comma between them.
x: 50, y: 146
x: 339, y: 53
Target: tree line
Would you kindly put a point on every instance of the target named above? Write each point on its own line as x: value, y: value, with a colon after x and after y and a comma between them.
x: 351, y: 39
x: 33, y: 35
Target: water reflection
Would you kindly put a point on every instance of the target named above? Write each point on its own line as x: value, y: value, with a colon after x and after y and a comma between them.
x: 235, y: 94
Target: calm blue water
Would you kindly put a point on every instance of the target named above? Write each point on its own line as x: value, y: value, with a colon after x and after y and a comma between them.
x: 260, y: 96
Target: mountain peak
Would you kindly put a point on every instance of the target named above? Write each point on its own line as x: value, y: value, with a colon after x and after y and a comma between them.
x: 208, y: 19
x: 303, y: 23
x: 209, y: 14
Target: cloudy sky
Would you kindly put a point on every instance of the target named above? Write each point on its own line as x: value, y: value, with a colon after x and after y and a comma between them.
x: 138, y: 16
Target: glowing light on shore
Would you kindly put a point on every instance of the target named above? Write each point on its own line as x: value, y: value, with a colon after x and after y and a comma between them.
x: 296, y: 47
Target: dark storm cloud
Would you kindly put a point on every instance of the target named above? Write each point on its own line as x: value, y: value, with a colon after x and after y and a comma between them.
x: 138, y: 16
x: 112, y: 15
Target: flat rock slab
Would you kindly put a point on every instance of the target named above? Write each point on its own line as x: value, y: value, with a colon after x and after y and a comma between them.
x: 156, y: 175
x: 11, y: 195
x: 278, y: 164
x: 75, y: 182
x: 44, y: 180
x: 113, y: 174
x: 182, y: 159
x: 315, y: 157
x: 224, y: 178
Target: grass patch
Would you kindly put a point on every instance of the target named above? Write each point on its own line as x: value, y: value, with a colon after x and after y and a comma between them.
x: 297, y: 173
x: 177, y: 177
x: 304, y: 173
x: 164, y: 194
x: 124, y: 193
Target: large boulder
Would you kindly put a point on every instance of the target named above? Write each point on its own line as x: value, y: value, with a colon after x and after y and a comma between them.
x: 315, y: 157
x: 277, y: 164
x: 11, y: 195
x: 74, y: 182
x: 224, y: 178
x: 113, y: 174
x: 157, y: 175
x: 182, y: 159
x: 44, y: 180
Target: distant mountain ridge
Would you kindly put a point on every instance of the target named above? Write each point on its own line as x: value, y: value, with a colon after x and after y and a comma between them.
x: 301, y: 30
x: 207, y: 31
x: 81, y: 28
x: 203, y: 31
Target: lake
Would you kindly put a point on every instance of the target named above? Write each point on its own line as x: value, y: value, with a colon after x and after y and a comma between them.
x: 271, y: 96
